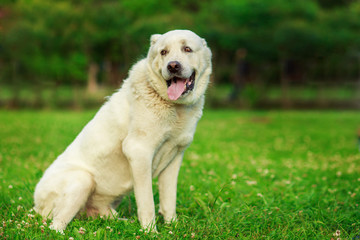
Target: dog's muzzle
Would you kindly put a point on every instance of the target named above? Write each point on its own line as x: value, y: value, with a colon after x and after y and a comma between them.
x: 178, y: 86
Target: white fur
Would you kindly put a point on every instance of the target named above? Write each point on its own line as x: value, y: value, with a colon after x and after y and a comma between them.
x: 138, y: 134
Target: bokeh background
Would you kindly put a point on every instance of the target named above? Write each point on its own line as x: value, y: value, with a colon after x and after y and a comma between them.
x: 67, y: 54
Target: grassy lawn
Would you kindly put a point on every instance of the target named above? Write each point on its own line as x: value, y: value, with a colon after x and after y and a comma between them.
x: 247, y: 175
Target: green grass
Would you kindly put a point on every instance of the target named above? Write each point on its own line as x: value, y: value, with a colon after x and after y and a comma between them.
x: 247, y: 175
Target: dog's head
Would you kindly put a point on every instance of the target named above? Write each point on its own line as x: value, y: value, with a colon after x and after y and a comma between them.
x: 181, y: 63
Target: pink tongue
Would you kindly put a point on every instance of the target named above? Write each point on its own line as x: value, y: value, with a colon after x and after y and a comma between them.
x: 176, y: 89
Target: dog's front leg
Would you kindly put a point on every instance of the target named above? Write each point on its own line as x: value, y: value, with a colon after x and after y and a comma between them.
x: 140, y: 159
x: 167, y: 189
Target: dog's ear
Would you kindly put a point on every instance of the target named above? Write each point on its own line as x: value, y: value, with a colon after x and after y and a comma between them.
x: 154, y: 38
x: 204, y: 42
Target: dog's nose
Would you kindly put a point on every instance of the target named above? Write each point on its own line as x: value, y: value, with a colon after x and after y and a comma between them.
x: 174, y: 66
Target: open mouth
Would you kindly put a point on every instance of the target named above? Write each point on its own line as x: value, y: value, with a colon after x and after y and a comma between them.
x: 180, y: 86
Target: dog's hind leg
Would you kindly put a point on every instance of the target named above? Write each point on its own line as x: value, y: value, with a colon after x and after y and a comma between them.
x: 103, y: 206
x: 79, y: 186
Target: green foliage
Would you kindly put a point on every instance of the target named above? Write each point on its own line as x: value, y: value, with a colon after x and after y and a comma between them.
x: 247, y: 175
x: 65, y: 35
x: 297, y: 40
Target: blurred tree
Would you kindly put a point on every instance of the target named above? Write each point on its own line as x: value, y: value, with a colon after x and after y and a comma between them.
x: 69, y: 42
x: 103, y: 29
x: 296, y: 41
x: 334, y: 3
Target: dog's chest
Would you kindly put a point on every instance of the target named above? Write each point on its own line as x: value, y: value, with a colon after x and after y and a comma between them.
x: 178, y: 137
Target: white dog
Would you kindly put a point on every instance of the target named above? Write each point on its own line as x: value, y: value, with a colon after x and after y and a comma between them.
x: 140, y: 133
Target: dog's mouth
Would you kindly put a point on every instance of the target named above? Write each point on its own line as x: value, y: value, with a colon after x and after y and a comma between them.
x: 180, y: 86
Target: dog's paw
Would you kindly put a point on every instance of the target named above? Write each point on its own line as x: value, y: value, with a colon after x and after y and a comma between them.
x: 171, y: 220
x: 58, y: 227
x: 169, y: 217
x: 150, y: 230
x: 61, y: 231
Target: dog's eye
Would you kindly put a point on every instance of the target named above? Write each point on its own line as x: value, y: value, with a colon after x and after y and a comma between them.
x: 187, y: 49
x: 163, y: 52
